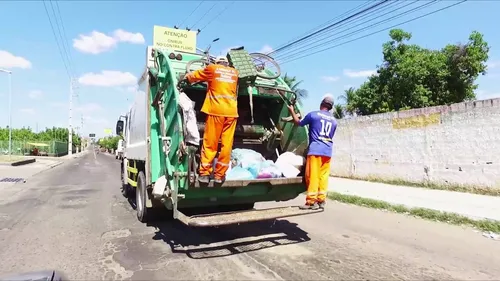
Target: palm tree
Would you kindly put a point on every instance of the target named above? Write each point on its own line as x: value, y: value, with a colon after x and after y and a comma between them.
x: 338, y: 111
x: 292, y: 82
x: 348, y: 95
x: 347, y: 99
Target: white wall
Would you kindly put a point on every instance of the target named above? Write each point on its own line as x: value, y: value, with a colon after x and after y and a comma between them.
x: 457, y: 144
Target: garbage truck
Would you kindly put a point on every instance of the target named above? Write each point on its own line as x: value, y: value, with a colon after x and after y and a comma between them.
x: 161, y: 153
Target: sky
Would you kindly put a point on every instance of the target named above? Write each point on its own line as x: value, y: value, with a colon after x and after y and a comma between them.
x: 107, y: 40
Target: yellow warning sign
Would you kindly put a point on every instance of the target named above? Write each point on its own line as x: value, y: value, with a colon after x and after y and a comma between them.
x: 174, y: 39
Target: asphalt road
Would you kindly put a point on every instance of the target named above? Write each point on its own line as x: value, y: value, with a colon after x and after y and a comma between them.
x: 74, y: 218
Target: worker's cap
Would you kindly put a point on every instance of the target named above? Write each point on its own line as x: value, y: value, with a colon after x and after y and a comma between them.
x: 328, y: 100
x: 220, y: 59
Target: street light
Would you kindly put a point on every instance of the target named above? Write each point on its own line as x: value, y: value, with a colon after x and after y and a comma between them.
x: 10, y: 110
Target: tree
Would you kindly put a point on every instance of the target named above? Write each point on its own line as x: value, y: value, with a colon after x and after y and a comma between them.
x: 414, y: 77
x: 347, y: 99
x: 338, y: 111
x: 292, y: 82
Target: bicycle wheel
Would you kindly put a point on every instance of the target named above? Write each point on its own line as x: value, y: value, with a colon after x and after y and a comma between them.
x: 261, y: 65
x: 200, y: 63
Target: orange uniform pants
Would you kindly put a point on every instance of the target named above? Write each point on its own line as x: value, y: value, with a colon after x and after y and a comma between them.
x: 217, y: 127
x: 317, y: 173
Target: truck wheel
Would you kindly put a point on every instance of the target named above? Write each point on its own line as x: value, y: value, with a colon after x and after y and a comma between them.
x: 126, y: 190
x: 141, y: 197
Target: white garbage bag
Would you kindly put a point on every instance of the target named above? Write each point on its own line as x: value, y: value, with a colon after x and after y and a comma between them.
x: 187, y: 105
x: 290, y: 164
x: 292, y: 159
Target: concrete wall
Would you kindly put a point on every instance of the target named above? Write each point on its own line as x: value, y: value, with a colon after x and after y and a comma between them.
x: 457, y: 144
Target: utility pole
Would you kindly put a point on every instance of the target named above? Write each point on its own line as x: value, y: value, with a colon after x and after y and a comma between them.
x: 81, y: 132
x: 70, y: 125
x: 10, y: 110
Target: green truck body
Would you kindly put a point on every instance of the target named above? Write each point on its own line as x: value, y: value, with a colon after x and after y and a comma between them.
x: 164, y: 162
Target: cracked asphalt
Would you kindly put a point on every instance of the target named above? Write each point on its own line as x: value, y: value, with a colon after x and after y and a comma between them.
x: 73, y: 218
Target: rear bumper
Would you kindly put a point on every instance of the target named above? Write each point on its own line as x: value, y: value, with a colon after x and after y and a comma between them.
x: 227, y: 218
x: 242, y: 183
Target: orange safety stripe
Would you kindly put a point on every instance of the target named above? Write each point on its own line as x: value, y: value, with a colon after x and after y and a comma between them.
x: 221, y: 98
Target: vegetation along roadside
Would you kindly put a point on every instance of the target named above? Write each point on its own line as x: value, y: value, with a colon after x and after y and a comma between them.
x: 428, y: 214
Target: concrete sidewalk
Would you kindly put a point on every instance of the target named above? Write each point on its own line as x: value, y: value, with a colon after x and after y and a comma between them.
x: 466, y: 204
x: 29, y: 170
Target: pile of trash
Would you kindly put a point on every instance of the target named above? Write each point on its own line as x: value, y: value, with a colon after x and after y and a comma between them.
x: 247, y: 164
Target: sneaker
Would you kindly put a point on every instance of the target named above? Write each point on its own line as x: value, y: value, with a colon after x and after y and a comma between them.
x: 322, y: 204
x: 309, y: 207
x: 204, y: 179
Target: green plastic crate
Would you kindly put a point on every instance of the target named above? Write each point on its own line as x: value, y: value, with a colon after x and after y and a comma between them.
x: 242, y: 61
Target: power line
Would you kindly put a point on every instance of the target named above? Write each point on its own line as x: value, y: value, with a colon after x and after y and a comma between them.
x: 378, y: 31
x: 291, y: 55
x: 203, y: 16
x: 332, y: 32
x: 57, y: 41
x: 330, y: 26
x: 191, y: 13
x: 65, y: 37
x: 328, y: 22
x: 63, y: 42
x: 218, y: 15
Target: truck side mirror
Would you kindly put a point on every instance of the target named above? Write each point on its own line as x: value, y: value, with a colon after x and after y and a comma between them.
x: 119, y: 127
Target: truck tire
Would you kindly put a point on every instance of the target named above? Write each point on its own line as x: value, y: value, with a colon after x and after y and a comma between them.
x: 126, y: 189
x: 141, y: 197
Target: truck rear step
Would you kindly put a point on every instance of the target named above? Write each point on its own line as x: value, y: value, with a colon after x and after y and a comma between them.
x: 241, y: 183
x: 227, y: 218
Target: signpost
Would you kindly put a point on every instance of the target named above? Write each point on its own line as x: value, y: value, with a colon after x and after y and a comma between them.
x: 174, y: 39
x: 91, y: 135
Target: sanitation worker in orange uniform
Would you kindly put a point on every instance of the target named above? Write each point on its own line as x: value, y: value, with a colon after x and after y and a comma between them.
x: 322, y: 127
x: 221, y: 107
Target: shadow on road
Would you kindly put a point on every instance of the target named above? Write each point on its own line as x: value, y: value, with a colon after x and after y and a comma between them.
x: 212, y: 242
x: 202, y: 243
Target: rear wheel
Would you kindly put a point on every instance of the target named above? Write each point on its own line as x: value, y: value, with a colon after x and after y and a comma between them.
x: 126, y: 189
x: 141, y: 197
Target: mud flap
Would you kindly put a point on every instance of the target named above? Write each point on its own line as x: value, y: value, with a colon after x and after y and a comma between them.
x: 227, y: 218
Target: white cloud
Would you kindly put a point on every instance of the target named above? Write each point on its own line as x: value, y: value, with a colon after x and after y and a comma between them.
x: 94, y: 43
x: 97, y: 42
x: 266, y: 49
x: 132, y: 89
x: 361, y: 73
x: 35, y: 94
x: 88, y: 108
x: 129, y: 37
x: 108, y: 78
x: 30, y: 111
x: 330, y: 78
x: 8, y: 60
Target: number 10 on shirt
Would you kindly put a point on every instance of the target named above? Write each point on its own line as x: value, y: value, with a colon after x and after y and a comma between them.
x: 326, y: 128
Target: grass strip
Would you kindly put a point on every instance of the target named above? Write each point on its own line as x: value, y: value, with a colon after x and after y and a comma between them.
x: 455, y: 188
x: 424, y: 213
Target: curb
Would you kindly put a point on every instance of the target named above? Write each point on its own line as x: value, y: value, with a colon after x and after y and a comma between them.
x: 48, y: 168
x: 23, y: 162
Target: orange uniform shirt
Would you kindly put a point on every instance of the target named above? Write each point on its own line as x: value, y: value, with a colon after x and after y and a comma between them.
x: 221, y: 98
